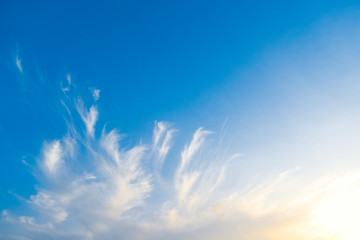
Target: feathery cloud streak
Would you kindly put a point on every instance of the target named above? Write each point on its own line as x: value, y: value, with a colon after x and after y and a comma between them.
x: 18, y: 63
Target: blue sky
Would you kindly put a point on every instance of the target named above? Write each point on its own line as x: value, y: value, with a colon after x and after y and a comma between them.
x: 188, y: 120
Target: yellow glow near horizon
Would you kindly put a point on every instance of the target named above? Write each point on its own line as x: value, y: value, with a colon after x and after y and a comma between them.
x: 337, y: 215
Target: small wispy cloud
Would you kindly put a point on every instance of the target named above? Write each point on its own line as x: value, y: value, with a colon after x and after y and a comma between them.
x: 68, y: 78
x: 161, y: 144
x: 52, y: 157
x: 18, y: 63
x: 88, y: 116
x: 96, y: 94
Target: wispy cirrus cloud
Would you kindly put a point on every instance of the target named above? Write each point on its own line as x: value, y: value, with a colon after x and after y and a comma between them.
x: 18, y: 63
x: 98, y: 189
x: 52, y: 157
x: 161, y: 143
x: 88, y: 116
x: 96, y: 94
x: 96, y: 183
x: 68, y: 78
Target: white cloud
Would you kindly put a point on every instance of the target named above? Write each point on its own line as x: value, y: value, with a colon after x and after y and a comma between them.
x: 96, y: 94
x: 89, y: 117
x: 24, y: 223
x: 49, y: 205
x: 52, y: 157
x: 99, y: 184
x: 162, y: 140
x: 65, y: 90
x: 68, y: 78
x: 18, y: 63
x: 95, y: 188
